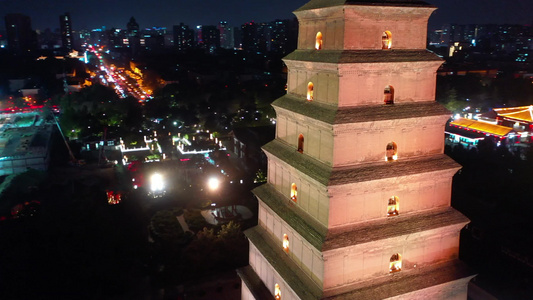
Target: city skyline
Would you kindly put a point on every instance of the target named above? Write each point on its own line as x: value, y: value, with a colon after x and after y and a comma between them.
x: 166, y: 13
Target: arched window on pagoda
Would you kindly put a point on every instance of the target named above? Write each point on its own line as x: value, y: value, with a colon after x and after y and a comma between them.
x: 310, y: 88
x: 391, y: 152
x: 393, y: 209
x: 301, y: 143
x: 294, y: 192
x: 395, y: 264
x: 318, y: 43
x: 388, y: 95
x: 277, y: 292
x: 286, y: 243
x: 386, y: 40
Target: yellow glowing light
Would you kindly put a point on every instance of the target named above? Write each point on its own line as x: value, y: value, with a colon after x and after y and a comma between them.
x: 286, y: 243
x: 213, y: 183
x: 277, y: 292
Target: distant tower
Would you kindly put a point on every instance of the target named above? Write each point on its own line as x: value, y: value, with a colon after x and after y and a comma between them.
x: 20, y: 36
x: 357, y: 202
x: 65, y: 25
x: 134, y: 36
x: 133, y: 28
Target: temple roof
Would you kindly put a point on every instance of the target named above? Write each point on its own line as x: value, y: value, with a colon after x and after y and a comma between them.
x: 362, y: 56
x: 314, y: 4
x: 481, y: 127
x: 521, y: 113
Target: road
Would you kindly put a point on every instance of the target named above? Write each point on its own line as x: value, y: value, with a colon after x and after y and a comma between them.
x: 124, y: 82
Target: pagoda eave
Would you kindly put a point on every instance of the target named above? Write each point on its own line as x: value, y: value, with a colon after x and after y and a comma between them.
x: 362, y: 56
x: 307, y: 227
x: 394, y: 227
x: 368, y: 113
x: 299, y: 282
x: 401, y: 283
x: 329, y: 176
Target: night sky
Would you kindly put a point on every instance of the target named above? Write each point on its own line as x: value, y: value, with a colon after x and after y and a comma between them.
x: 165, y: 13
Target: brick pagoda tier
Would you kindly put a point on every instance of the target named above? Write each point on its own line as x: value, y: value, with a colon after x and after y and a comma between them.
x: 357, y: 204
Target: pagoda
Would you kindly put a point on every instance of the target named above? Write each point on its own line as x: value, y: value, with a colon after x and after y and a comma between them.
x: 357, y: 202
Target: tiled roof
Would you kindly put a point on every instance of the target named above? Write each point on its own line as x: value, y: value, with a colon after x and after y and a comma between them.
x: 470, y: 134
x: 521, y: 113
x: 469, y: 124
x: 362, y: 56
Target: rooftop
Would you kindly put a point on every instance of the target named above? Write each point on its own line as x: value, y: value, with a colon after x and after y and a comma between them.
x: 23, y: 135
x: 481, y: 127
x: 314, y: 4
x: 521, y: 113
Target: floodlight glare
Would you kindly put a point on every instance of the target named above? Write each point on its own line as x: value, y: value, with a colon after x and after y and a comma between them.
x: 213, y: 183
x: 156, y: 182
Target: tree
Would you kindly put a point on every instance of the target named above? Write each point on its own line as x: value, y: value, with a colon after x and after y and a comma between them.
x: 230, y: 232
x: 166, y: 227
x: 260, y: 177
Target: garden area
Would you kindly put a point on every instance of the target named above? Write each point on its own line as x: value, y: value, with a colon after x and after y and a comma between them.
x: 196, y: 248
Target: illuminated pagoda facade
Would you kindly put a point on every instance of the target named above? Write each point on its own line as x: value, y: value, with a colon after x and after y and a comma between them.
x: 357, y: 203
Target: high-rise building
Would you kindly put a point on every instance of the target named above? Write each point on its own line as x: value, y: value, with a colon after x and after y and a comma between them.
x: 65, y: 26
x: 357, y: 201
x: 237, y: 37
x: 280, y: 37
x: 183, y: 37
x: 253, y: 37
x: 227, y: 40
x: 210, y: 38
x: 20, y: 36
x: 154, y: 38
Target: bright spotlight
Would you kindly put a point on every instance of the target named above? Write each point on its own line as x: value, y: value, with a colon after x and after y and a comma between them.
x: 213, y: 183
x: 156, y: 183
